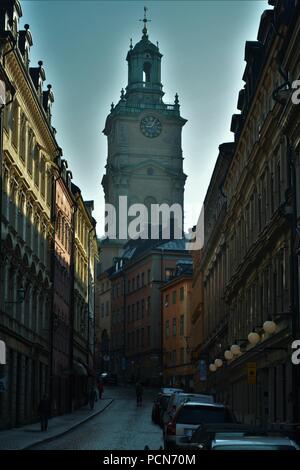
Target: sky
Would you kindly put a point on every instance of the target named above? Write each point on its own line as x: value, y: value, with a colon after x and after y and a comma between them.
x: 83, y: 45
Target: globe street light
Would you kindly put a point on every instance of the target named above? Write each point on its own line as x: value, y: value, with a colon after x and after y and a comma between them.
x: 253, y: 338
x: 218, y: 362
x: 269, y: 327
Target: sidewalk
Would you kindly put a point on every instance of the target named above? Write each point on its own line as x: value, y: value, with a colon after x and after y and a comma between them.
x: 27, y: 436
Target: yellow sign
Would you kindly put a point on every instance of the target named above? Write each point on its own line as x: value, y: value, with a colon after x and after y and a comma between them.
x: 251, y: 373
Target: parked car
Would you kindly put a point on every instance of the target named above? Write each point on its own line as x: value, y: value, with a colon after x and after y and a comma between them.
x: 189, y: 416
x: 234, y: 436
x: 177, y: 399
x: 161, y: 401
x: 108, y: 378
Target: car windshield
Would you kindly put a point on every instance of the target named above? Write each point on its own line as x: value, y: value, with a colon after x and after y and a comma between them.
x: 198, y: 415
x: 253, y: 447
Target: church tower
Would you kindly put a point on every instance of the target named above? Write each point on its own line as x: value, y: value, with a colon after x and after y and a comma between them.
x: 144, y: 159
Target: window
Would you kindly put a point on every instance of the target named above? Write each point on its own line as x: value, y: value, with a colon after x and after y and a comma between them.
x: 174, y: 357
x: 43, y: 175
x: 174, y: 296
x: 169, y: 274
x: 138, y: 281
x: 174, y: 326
x: 166, y: 300
x: 128, y: 286
x: 147, y: 72
x: 133, y: 284
x: 167, y: 328
x: 181, y: 293
x: 36, y: 166
x: 149, y: 276
x: 128, y: 314
x: 148, y: 305
x: 132, y: 312
x: 142, y: 338
x: 142, y: 307
x: 15, y: 123
x: 143, y: 279
x: 148, y: 335
x: 102, y: 310
x: 181, y: 355
x: 138, y: 310
x: 181, y: 325
x: 23, y: 138
x: 107, y: 308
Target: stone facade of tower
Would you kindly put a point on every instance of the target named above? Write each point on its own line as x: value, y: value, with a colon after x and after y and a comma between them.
x: 144, y: 160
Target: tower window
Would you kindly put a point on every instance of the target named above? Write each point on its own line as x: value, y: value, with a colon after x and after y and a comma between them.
x: 146, y: 72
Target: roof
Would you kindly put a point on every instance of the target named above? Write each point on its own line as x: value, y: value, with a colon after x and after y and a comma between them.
x: 197, y: 403
x: 253, y: 440
x: 144, y: 45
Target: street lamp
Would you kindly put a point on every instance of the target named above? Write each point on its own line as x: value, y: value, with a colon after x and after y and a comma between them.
x: 228, y: 355
x: 253, y: 338
x: 218, y: 363
x: 269, y: 327
x: 235, y: 350
x: 212, y: 368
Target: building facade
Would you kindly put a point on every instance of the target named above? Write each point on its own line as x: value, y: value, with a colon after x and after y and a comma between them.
x: 29, y: 148
x: 250, y: 261
x: 136, y: 305
x: 177, y: 333
x: 48, y: 249
x: 85, y: 257
x: 62, y: 288
x: 197, y: 322
x: 103, y: 321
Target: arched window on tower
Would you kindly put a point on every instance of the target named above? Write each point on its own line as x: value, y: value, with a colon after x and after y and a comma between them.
x: 147, y: 72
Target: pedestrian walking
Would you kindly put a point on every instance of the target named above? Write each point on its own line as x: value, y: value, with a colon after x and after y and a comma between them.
x: 139, y: 394
x: 92, y: 398
x: 100, y: 390
x: 44, y: 412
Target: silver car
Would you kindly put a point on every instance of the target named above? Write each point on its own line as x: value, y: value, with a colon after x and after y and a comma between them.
x: 252, y: 443
x: 189, y: 416
x: 177, y: 399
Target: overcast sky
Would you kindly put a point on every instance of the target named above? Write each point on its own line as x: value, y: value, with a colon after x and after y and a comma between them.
x: 83, y: 45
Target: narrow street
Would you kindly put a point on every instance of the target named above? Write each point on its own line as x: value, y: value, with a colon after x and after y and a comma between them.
x: 122, y: 426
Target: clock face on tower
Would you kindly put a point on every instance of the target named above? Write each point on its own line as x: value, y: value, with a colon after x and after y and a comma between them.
x: 151, y: 126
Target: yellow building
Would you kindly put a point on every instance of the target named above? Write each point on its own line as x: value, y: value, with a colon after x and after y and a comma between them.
x: 29, y: 148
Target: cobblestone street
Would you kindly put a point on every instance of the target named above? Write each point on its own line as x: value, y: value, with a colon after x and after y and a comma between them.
x: 121, y: 426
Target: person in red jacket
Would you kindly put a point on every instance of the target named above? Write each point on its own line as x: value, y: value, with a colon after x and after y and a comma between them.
x: 100, y: 389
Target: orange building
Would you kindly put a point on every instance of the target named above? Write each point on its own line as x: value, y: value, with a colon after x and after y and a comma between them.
x: 177, y: 348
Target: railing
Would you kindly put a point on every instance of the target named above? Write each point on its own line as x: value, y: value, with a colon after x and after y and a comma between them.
x: 166, y: 107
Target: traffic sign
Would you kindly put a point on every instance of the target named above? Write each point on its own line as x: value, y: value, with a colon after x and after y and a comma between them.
x: 251, y: 373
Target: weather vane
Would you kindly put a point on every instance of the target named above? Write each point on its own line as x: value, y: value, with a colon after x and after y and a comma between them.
x: 145, y: 21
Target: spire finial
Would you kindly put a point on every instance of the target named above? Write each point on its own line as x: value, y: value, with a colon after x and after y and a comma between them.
x: 130, y: 46
x: 145, y: 21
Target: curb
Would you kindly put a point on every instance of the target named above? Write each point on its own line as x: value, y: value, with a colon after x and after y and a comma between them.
x: 62, y: 433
